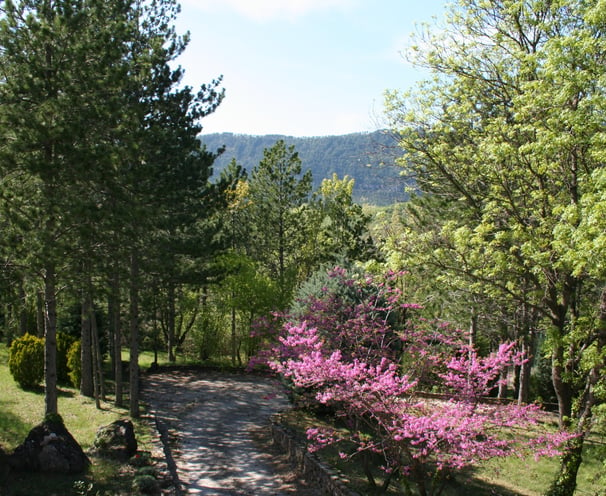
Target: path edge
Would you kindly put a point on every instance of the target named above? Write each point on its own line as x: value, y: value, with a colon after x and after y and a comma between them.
x: 327, y: 479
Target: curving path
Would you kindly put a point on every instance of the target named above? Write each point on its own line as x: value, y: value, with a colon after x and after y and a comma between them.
x: 215, y: 423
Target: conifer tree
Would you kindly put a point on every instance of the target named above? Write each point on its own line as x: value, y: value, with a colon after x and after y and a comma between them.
x: 278, y: 190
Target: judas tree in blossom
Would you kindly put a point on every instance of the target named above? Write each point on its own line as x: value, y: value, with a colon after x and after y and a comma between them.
x: 349, y: 353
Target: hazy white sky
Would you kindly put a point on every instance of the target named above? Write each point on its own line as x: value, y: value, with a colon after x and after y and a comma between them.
x: 301, y: 67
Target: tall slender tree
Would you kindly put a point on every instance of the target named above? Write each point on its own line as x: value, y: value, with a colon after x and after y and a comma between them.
x: 278, y: 189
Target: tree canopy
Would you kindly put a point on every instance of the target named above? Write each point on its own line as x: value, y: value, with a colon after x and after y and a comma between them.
x: 508, y: 140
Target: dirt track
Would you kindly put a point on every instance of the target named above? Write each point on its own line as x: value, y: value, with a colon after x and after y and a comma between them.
x: 218, y: 425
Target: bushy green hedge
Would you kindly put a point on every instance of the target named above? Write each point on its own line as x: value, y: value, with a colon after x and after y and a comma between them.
x: 74, y: 364
x: 64, y: 343
x: 26, y: 360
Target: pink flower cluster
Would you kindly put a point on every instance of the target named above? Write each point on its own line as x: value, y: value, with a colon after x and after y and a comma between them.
x: 350, y: 357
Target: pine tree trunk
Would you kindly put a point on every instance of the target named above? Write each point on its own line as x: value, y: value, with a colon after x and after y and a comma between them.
x: 86, y: 357
x: 111, y: 340
x: 23, y: 313
x: 134, y: 338
x: 114, y: 320
x: 97, y: 359
x: 40, y: 314
x: 171, y: 323
x: 50, y: 345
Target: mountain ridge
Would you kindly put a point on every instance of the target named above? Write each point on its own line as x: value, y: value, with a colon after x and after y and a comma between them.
x: 368, y: 158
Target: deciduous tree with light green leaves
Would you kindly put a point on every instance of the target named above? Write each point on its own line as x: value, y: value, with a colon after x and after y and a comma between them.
x: 509, y: 135
x: 339, y: 226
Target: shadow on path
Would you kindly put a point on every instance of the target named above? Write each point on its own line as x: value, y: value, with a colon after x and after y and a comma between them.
x: 206, y: 419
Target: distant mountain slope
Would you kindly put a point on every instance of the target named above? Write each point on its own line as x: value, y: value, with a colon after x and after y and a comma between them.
x: 368, y: 158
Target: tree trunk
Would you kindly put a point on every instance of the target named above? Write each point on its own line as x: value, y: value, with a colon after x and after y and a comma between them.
x: 565, y: 483
x: 561, y: 387
x: 114, y: 325
x: 23, y: 312
x: 233, y: 333
x: 502, y: 388
x: 134, y: 338
x: 97, y: 359
x: 473, y: 328
x: 170, y: 323
x: 40, y: 314
x: 111, y: 341
x: 50, y: 345
x: 529, y: 350
x: 87, y: 388
x: 114, y: 322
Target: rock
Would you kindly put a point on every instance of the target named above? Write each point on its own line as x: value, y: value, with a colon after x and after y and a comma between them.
x: 49, y: 447
x: 116, y: 440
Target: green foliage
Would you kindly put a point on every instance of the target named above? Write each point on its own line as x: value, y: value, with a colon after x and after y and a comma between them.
x: 506, y: 141
x: 338, y: 226
x: 141, y: 459
x: 208, y: 338
x: 147, y: 470
x: 146, y: 484
x: 26, y: 360
x: 53, y: 418
x: 279, y: 191
x: 64, y: 343
x: 74, y: 364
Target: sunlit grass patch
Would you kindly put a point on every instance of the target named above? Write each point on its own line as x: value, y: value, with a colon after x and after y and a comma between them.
x: 22, y: 410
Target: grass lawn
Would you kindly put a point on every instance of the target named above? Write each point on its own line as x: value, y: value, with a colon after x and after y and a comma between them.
x: 21, y: 410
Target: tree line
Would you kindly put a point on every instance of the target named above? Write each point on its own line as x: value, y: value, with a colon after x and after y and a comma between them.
x: 368, y: 158
x: 113, y: 226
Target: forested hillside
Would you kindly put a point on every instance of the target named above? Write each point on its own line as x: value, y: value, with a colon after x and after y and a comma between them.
x: 368, y: 158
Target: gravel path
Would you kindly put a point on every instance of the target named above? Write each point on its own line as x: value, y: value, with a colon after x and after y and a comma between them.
x: 218, y: 427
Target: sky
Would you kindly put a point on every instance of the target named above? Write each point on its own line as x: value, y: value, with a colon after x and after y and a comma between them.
x: 301, y: 67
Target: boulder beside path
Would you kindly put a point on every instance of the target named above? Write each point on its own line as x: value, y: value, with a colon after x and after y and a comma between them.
x: 49, y: 447
x: 116, y: 440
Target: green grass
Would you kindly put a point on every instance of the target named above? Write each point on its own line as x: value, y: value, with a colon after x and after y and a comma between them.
x: 21, y: 410
x: 146, y: 358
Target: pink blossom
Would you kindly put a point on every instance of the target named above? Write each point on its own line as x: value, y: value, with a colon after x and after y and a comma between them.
x: 369, y: 360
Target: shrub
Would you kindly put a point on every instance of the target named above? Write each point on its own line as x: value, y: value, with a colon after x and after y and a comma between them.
x: 147, y: 470
x: 64, y: 343
x: 26, y: 360
x: 141, y: 459
x: 53, y: 418
x: 74, y: 364
x: 146, y: 484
